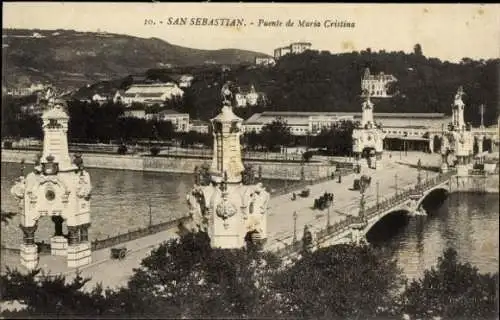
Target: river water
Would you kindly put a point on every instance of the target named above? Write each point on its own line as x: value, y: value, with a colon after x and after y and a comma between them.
x: 120, y: 201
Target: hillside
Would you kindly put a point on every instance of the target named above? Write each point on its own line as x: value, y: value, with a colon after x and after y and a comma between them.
x: 321, y: 81
x: 71, y: 58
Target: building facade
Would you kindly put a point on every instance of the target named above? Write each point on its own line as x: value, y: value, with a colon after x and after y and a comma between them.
x: 293, y: 48
x: 180, y: 121
x: 199, y: 126
x: 246, y: 98
x: 149, y: 94
x: 376, y: 85
x: 265, y: 61
x: 26, y: 91
x: 408, y: 130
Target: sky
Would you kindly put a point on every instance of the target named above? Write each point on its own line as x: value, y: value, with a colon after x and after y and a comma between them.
x: 446, y: 31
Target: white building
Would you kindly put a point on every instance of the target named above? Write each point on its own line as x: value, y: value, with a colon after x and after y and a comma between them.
x: 180, y: 121
x: 293, y: 48
x: 199, y: 126
x: 149, y: 94
x: 265, y: 61
x: 413, y: 128
x: 185, y: 81
x: 135, y: 113
x: 247, y: 98
x: 101, y: 99
x: 376, y: 85
x: 26, y: 91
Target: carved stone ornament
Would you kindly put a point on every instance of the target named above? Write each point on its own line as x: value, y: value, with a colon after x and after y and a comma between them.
x: 84, y: 187
x: 225, y: 209
x: 19, y: 188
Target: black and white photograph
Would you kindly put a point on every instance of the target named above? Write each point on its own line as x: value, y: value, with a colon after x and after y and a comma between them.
x: 250, y: 160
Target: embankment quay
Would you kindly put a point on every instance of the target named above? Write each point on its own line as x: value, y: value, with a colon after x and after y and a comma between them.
x: 267, y: 168
x: 393, y: 189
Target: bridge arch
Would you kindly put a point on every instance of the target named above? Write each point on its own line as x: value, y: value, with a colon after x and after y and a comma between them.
x: 403, y: 211
x: 406, y: 208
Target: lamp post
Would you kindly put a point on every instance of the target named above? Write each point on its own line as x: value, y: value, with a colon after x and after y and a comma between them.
x: 150, y: 214
x: 396, y: 183
x: 295, y: 226
x: 328, y: 225
x: 419, y: 168
x: 378, y: 199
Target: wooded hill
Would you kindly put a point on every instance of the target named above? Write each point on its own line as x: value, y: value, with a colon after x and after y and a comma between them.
x: 66, y: 57
x: 321, y: 81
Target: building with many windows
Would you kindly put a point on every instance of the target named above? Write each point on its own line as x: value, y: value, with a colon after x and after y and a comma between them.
x: 247, y: 97
x: 411, y: 128
x: 179, y: 120
x: 149, y: 94
x: 293, y: 48
x: 265, y: 61
x: 376, y: 85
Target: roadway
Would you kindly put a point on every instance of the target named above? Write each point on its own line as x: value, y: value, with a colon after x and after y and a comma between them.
x: 115, y: 273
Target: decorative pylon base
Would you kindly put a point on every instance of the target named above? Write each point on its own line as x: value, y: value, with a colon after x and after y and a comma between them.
x: 29, y: 256
x: 58, y: 246
x: 462, y: 170
x: 79, y: 255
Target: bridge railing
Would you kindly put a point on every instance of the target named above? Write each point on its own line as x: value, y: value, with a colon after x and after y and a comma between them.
x: 370, y: 212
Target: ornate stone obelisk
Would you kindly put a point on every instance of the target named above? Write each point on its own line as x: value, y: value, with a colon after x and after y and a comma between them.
x: 368, y: 135
x: 57, y: 188
x: 228, y: 209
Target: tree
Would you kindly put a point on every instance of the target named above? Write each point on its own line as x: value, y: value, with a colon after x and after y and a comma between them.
x: 339, y: 282
x: 43, y: 295
x: 337, y: 139
x: 276, y: 134
x: 417, y: 50
x: 187, y: 278
x: 7, y: 216
x: 452, y: 290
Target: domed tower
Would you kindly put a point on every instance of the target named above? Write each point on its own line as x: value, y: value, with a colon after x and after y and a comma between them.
x: 58, y: 188
x: 227, y: 208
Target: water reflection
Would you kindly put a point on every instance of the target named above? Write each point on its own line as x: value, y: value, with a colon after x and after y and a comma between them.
x: 121, y: 201
x: 465, y: 222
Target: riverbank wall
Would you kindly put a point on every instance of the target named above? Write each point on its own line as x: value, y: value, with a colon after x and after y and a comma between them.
x: 486, y: 183
x: 263, y: 169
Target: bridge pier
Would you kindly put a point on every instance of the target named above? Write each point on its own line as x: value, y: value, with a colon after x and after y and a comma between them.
x: 357, y: 233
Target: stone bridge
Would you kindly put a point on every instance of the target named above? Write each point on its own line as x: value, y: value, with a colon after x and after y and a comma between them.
x: 355, y: 228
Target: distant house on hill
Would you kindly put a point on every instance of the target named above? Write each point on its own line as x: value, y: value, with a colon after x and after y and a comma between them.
x: 265, y: 61
x: 149, y: 94
x: 100, y: 92
x: 376, y: 85
x: 246, y: 97
x: 293, y: 48
x: 26, y: 91
x: 199, y: 126
x: 133, y: 112
x: 179, y: 120
x: 185, y: 81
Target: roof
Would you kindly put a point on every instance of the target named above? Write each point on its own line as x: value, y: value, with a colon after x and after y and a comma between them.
x: 302, y: 118
x: 169, y: 111
x: 199, y: 123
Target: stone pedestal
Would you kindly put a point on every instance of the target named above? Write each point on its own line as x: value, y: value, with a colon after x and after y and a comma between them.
x: 79, y: 255
x: 444, y: 167
x: 29, y: 256
x: 358, y: 236
x: 58, y: 246
x: 462, y: 170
